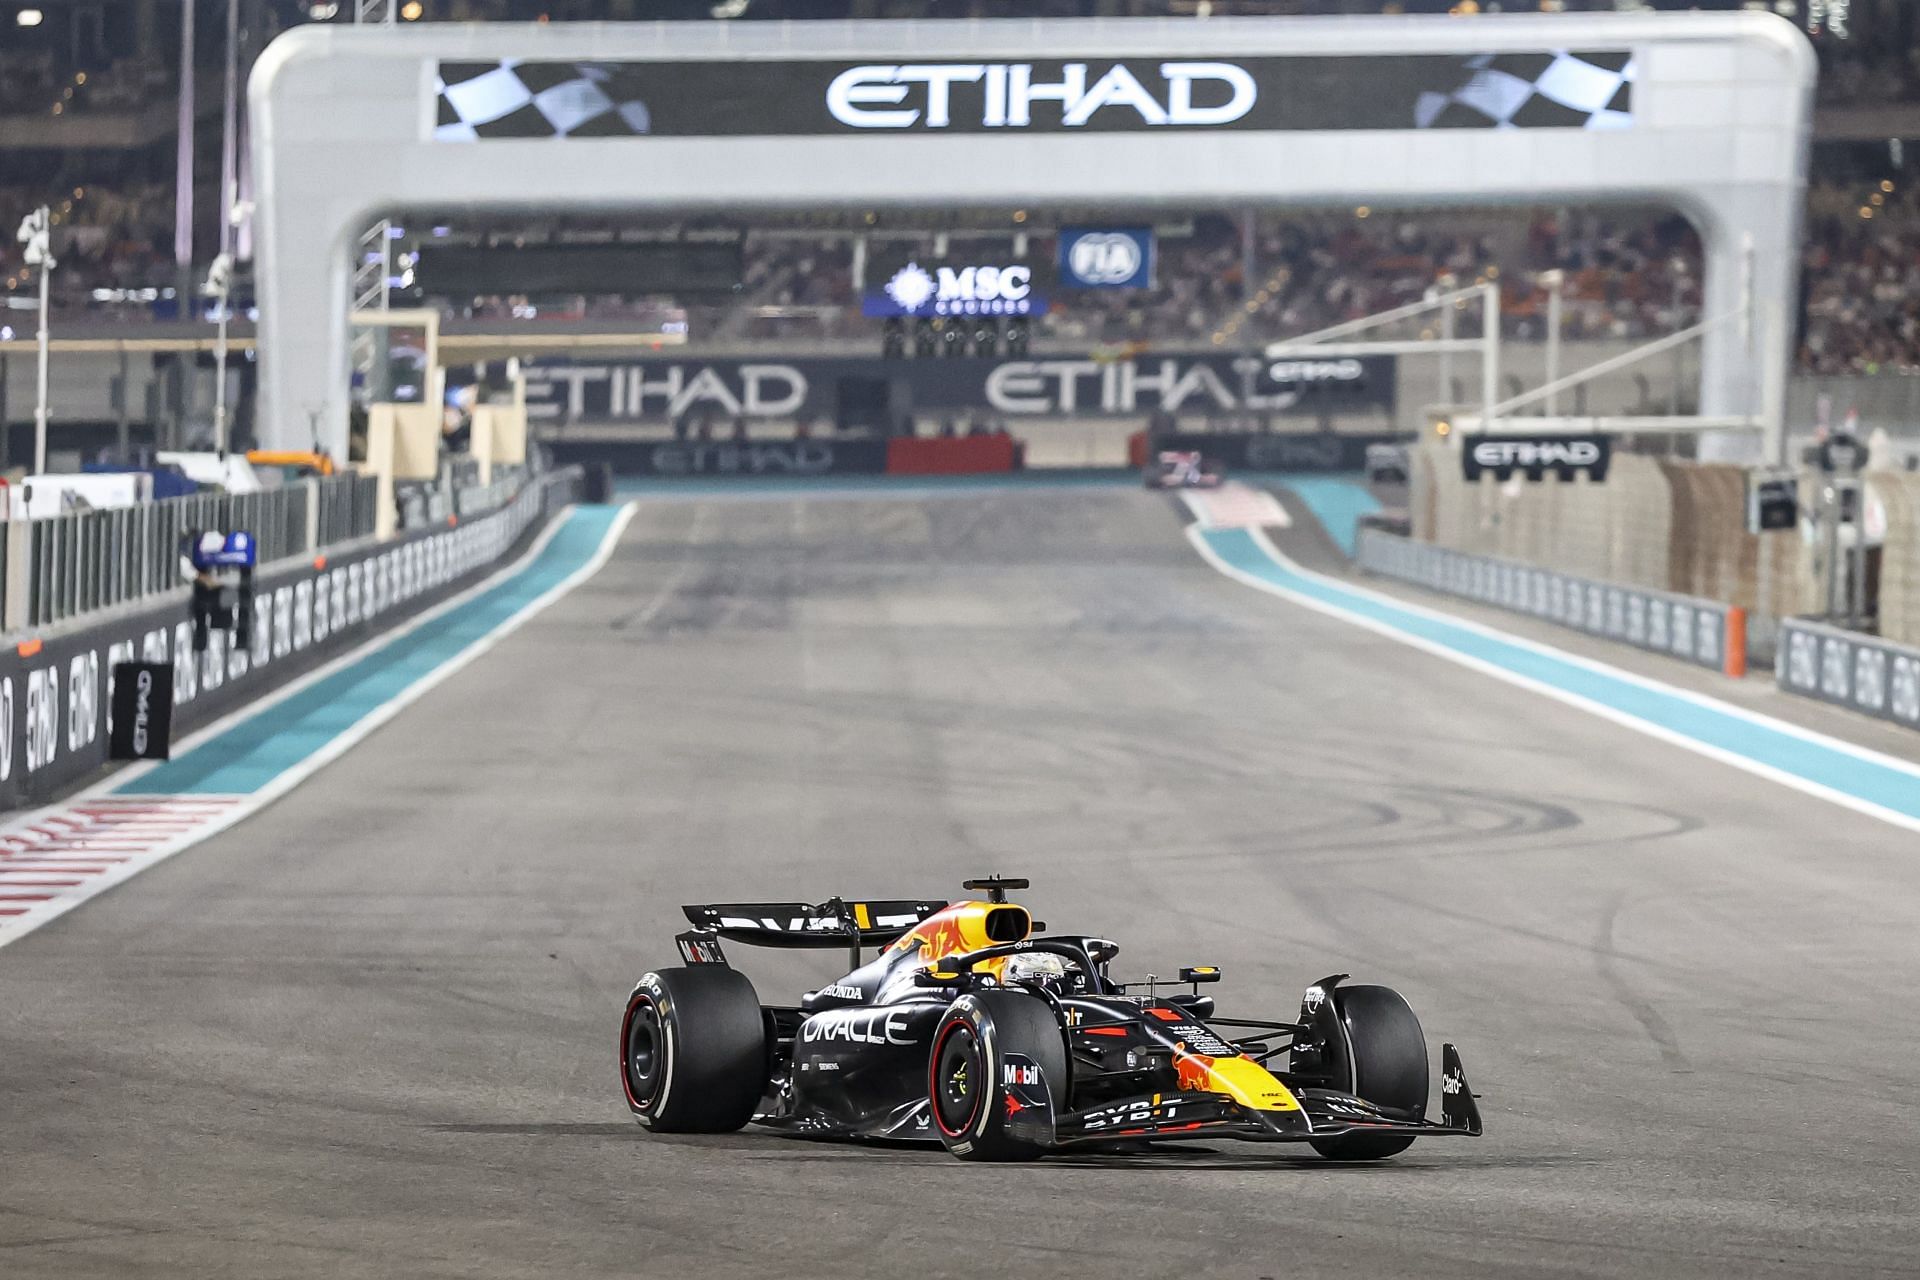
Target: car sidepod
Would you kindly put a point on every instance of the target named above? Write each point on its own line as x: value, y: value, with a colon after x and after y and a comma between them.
x: 861, y: 1069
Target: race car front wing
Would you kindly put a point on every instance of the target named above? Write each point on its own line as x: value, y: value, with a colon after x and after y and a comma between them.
x: 1179, y: 1116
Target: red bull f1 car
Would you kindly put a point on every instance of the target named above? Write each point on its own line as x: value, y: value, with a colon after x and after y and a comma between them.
x: 969, y: 1030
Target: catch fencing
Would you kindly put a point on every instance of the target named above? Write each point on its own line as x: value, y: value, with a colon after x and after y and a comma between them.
x: 1704, y: 632
x: 56, y: 691
x: 62, y: 567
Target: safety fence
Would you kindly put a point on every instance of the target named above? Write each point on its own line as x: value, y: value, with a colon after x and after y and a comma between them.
x: 61, y: 567
x: 1704, y: 632
x: 56, y: 691
x: 1860, y: 672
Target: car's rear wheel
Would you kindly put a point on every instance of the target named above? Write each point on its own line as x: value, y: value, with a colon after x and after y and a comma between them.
x: 693, y: 1050
x: 974, y: 1046
x: 1389, y: 1067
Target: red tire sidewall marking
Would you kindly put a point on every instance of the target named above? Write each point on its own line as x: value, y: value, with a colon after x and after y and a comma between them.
x: 626, y: 1029
x: 933, y: 1078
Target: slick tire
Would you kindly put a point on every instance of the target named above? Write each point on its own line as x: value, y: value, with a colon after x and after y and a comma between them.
x: 693, y: 1050
x: 1389, y: 1067
x: 966, y: 1071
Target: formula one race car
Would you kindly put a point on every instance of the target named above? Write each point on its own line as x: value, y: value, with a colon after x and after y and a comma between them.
x: 1183, y: 469
x: 967, y: 1030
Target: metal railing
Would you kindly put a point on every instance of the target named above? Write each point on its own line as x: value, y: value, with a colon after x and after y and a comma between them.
x: 347, y: 511
x: 476, y: 497
x: 90, y: 560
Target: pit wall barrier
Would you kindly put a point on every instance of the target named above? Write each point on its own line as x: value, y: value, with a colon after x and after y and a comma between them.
x: 55, y: 691
x: 1859, y: 672
x: 1706, y: 633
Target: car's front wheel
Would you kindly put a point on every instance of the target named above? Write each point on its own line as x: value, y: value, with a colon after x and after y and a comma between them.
x: 980, y: 1044
x: 1389, y: 1067
x: 693, y: 1050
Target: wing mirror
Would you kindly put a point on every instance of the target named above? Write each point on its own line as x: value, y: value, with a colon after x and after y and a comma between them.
x: 1201, y: 973
x: 1198, y: 1005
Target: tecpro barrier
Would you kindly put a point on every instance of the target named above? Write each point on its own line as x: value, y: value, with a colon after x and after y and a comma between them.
x: 1851, y: 670
x: 1704, y: 632
x: 56, y: 692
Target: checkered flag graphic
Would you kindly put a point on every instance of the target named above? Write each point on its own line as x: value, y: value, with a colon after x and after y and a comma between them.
x: 1535, y: 91
x: 512, y: 99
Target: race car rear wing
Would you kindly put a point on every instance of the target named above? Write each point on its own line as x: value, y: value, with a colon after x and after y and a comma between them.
x: 834, y: 923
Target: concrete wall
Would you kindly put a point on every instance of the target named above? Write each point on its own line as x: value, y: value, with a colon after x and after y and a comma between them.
x: 1619, y: 531
x: 1899, y: 492
x: 1669, y: 525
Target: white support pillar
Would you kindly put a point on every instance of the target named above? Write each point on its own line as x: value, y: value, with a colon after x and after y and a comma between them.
x: 1556, y: 282
x: 1490, y: 358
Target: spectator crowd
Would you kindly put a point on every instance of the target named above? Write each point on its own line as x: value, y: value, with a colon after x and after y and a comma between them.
x: 1627, y: 276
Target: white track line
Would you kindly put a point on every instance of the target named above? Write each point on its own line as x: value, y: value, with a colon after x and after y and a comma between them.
x: 1196, y: 536
x: 188, y: 820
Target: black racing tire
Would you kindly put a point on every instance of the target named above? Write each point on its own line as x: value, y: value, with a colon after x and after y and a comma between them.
x: 966, y: 1076
x: 693, y: 1050
x: 1390, y: 1067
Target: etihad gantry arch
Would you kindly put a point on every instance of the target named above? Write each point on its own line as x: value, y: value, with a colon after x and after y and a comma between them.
x: 1707, y: 113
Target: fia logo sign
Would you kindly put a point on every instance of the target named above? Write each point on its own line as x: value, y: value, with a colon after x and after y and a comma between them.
x: 1107, y: 259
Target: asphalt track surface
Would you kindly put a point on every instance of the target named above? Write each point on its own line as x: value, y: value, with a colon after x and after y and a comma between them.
x: 371, y: 1031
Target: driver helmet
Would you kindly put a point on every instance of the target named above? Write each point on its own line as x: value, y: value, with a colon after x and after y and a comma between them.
x: 1038, y: 969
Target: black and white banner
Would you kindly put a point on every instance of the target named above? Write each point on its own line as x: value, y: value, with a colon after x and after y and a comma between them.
x: 1535, y: 456
x: 514, y: 98
x: 665, y: 389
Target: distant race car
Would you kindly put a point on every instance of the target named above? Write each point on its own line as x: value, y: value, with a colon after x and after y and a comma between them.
x: 1183, y: 469
x: 967, y: 1030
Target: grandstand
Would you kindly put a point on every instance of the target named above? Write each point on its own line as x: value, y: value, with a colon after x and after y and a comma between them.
x: 86, y: 126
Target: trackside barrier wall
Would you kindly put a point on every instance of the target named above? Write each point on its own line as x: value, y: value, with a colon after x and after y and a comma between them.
x: 1662, y: 524
x: 90, y: 560
x: 55, y: 693
x: 1849, y: 669
x: 1704, y: 632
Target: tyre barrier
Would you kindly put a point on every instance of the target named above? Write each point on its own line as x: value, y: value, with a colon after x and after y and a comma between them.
x: 1706, y: 633
x: 56, y: 689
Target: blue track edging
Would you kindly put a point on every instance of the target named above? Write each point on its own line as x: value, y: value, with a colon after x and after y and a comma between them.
x: 1720, y: 729
x: 259, y: 748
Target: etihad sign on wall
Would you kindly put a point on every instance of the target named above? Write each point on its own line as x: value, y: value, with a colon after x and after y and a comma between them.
x: 920, y: 95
